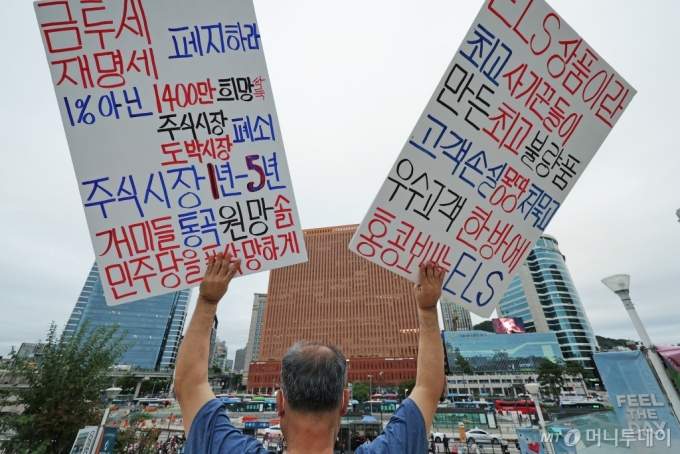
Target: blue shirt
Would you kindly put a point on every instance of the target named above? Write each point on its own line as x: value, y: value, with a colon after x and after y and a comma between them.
x: 212, y: 433
x: 405, y: 433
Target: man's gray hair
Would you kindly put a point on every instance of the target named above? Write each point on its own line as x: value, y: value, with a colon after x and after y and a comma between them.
x: 313, y: 377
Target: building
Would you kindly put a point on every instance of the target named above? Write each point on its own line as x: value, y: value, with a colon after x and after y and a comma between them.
x: 229, y: 364
x: 339, y: 298
x: 213, y: 340
x: 455, y: 318
x: 219, y: 356
x: 155, y: 324
x: 255, y: 336
x: 544, y: 296
x: 500, y: 363
x: 31, y: 352
x: 240, y: 361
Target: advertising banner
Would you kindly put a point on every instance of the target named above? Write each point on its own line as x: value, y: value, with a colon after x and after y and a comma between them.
x: 508, y: 325
x: 108, y: 440
x: 85, y: 440
x: 639, y: 403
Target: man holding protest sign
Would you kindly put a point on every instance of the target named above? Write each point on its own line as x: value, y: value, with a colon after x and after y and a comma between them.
x: 313, y: 395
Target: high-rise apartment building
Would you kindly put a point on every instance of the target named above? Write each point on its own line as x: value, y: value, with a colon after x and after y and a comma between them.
x: 219, y: 356
x: 255, y: 336
x: 155, y: 324
x: 339, y: 298
x: 213, y: 340
x: 240, y: 361
x: 455, y: 318
x: 544, y: 296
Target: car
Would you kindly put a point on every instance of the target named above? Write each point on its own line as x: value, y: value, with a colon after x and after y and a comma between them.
x: 438, y: 436
x: 273, y: 430
x: 482, y: 436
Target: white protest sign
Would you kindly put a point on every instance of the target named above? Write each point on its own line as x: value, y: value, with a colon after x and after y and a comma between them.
x: 171, y: 123
x: 513, y: 123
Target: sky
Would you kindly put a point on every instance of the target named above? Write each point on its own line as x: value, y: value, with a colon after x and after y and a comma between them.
x: 350, y: 79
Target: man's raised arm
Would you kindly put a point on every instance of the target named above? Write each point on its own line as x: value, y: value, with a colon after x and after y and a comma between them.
x: 430, y: 376
x: 191, y: 374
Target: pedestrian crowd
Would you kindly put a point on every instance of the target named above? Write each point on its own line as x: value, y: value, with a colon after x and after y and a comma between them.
x: 175, y: 445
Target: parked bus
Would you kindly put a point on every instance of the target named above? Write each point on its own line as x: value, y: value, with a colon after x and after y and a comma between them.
x: 149, y: 401
x: 381, y: 406
x: 386, y: 396
x: 460, y: 397
x: 523, y: 406
x: 582, y: 404
x: 238, y: 405
x: 482, y: 405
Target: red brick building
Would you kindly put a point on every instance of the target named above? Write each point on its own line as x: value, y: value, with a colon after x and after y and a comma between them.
x: 339, y: 298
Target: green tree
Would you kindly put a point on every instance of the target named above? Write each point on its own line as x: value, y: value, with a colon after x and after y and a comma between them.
x: 575, y: 369
x: 390, y: 388
x: 552, y: 375
x: 403, y: 386
x: 64, y: 391
x: 360, y: 391
x: 126, y: 383
x: 235, y: 380
x: 607, y: 343
x: 463, y: 364
x: 216, y: 370
x: 486, y: 325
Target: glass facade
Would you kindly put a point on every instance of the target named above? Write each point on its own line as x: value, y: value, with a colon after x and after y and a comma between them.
x: 240, y: 360
x: 455, y: 318
x: 558, y: 302
x: 490, y: 353
x: 155, y: 323
x: 255, y: 333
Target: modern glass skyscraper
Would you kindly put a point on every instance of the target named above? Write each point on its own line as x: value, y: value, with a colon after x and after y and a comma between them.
x: 155, y: 323
x: 455, y: 318
x: 543, y: 294
x: 255, y: 336
x: 240, y: 360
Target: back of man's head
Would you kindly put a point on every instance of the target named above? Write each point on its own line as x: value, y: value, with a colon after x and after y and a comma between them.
x: 313, y: 377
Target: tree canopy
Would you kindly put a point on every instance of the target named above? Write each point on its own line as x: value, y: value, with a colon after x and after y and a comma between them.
x: 607, y: 343
x: 463, y: 364
x: 486, y: 325
x: 360, y: 391
x: 550, y: 374
x: 406, y: 384
x: 390, y: 388
x: 65, y: 389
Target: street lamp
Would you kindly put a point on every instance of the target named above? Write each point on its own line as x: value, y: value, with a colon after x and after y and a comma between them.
x: 111, y: 394
x: 620, y: 284
x: 370, y: 389
x: 532, y: 389
x: 380, y: 381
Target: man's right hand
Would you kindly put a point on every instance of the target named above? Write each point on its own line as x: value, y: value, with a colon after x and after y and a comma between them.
x: 218, y: 275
